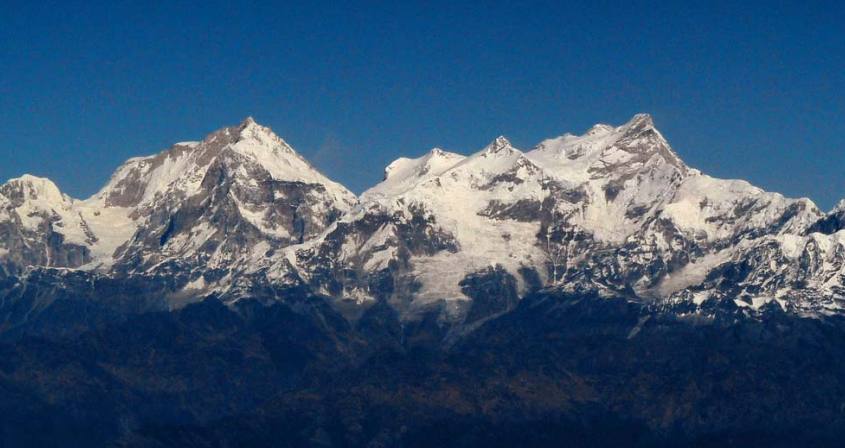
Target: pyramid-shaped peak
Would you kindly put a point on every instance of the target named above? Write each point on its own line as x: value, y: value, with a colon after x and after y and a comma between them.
x: 499, y: 145
x: 247, y: 129
x: 501, y: 141
x: 640, y: 121
x: 246, y: 152
x: 248, y: 121
x: 250, y: 127
x: 252, y: 132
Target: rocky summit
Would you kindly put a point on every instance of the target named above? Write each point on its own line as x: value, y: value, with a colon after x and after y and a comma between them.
x: 593, y: 288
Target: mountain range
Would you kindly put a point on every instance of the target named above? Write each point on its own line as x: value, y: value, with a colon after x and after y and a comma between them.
x: 551, y: 275
x: 614, y: 211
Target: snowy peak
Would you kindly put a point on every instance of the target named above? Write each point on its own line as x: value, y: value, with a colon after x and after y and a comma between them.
x: 40, y: 226
x: 496, y: 163
x: 36, y: 201
x: 208, y: 204
x: 32, y: 188
x: 202, y: 204
x: 637, y: 124
x: 253, y: 133
x: 605, y: 152
x: 440, y: 158
x: 248, y: 121
x: 404, y: 173
x: 249, y: 151
x: 434, y: 162
x: 832, y: 222
x: 640, y: 122
x: 639, y: 136
x: 499, y: 146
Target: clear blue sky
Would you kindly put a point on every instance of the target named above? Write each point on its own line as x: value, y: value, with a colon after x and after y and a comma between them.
x: 747, y: 90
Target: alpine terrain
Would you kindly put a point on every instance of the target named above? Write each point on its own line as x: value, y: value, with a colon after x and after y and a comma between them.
x: 592, y: 290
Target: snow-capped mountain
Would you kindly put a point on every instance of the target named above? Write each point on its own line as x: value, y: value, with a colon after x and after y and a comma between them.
x: 241, y: 214
x: 40, y: 226
x: 614, y: 210
x: 195, y: 205
x: 206, y: 204
x: 428, y: 225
